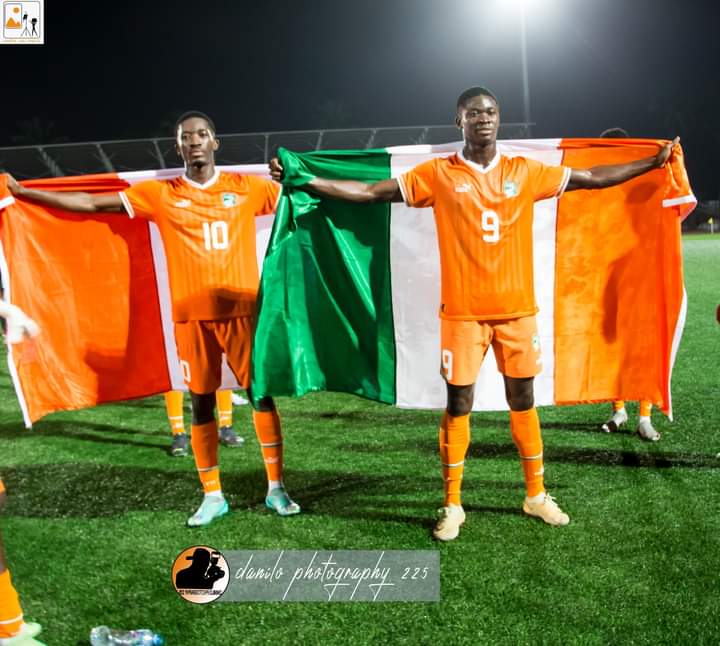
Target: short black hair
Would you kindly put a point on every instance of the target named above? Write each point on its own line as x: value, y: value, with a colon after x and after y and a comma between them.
x: 614, y: 133
x: 190, y: 114
x: 472, y: 92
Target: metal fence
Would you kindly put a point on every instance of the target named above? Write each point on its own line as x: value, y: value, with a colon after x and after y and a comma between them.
x: 57, y: 160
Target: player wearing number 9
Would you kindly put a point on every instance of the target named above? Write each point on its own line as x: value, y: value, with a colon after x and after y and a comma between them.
x: 206, y: 222
x: 483, y: 206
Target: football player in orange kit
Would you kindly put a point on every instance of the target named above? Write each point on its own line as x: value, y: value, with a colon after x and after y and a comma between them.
x: 176, y: 419
x: 645, y: 429
x: 206, y: 221
x: 14, y: 631
x: 483, y: 205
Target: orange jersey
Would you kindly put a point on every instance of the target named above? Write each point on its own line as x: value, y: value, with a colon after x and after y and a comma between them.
x: 209, y: 236
x: 484, y: 225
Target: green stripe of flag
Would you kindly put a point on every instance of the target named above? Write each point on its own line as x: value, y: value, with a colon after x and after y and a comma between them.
x: 325, y: 318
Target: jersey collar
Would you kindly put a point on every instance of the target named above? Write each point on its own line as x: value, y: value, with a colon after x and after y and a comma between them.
x: 207, y: 184
x: 482, y: 169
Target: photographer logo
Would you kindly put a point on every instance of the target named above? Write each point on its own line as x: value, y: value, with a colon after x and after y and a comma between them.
x: 22, y: 22
x: 200, y: 574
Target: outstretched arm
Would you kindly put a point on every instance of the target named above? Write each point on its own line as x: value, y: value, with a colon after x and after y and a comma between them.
x: 612, y: 174
x: 81, y: 202
x: 387, y: 190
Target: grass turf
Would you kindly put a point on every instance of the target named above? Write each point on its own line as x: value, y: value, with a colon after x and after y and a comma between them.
x: 96, y: 513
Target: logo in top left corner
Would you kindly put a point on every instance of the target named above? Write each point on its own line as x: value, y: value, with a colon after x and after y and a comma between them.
x: 200, y: 574
x: 23, y: 22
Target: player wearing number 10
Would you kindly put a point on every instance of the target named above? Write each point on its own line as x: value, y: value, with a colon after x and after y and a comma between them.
x: 206, y: 220
x: 483, y: 205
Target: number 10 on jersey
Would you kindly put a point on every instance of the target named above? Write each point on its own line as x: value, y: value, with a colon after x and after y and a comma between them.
x: 216, y: 235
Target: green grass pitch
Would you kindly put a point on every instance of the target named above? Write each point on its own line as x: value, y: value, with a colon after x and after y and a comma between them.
x: 96, y: 515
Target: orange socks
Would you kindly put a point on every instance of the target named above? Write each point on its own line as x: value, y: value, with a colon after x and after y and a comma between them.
x: 11, y: 616
x: 269, y: 435
x: 204, y: 441
x: 223, y: 399
x: 454, y: 439
x: 645, y: 408
x: 525, y: 430
x: 174, y: 407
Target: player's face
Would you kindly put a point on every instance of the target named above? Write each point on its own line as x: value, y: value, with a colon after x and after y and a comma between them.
x: 479, y: 119
x: 196, y: 142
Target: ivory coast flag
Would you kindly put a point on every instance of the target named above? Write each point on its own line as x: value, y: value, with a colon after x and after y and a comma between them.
x: 350, y: 293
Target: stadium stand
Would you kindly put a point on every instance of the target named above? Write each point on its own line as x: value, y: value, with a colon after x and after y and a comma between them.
x: 57, y: 160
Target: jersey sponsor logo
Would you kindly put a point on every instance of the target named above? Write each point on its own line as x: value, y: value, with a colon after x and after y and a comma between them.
x: 536, y: 342
x: 229, y: 200
x: 182, y: 204
x: 510, y: 188
x: 466, y: 187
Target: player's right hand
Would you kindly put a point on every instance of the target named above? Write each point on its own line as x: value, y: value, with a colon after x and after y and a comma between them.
x: 276, y: 170
x: 13, y: 185
x: 19, y: 326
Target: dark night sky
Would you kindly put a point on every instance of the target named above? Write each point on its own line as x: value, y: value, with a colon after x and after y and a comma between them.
x: 119, y: 70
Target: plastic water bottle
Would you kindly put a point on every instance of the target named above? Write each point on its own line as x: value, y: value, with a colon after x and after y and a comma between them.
x: 104, y: 636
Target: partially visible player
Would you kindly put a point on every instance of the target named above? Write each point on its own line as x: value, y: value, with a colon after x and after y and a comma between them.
x: 483, y: 204
x: 207, y: 223
x: 645, y: 429
x: 619, y: 417
x: 13, y: 629
x: 176, y: 419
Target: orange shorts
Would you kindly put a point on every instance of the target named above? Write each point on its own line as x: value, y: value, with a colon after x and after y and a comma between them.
x: 464, y: 344
x: 201, y: 345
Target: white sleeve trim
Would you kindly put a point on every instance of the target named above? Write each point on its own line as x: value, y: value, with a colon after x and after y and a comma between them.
x: 685, y: 199
x: 565, y: 181
x: 7, y: 201
x: 401, y: 184
x: 126, y: 203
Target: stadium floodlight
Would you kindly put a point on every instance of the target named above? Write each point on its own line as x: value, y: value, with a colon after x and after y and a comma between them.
x: 518, y: 5
x: 521, y: 7
x: 523, y: 46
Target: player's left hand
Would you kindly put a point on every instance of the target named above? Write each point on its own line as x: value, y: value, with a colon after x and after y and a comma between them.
x: 665, y: 152
x: 276, y: 170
